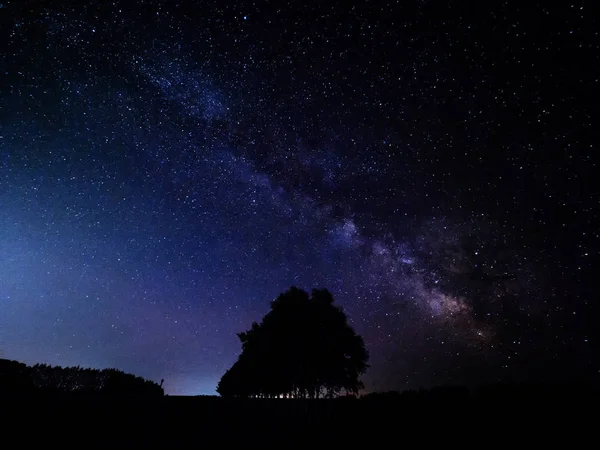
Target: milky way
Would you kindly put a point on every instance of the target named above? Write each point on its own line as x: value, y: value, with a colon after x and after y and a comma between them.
x: 167, y: 169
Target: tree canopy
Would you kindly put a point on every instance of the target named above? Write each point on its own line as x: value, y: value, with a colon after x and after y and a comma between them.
x: 303, y: 347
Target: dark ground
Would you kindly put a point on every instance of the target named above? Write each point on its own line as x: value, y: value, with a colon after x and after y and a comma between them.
x: 514, y: 416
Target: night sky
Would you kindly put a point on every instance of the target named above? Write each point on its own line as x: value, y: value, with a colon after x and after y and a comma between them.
x: 168, y: 168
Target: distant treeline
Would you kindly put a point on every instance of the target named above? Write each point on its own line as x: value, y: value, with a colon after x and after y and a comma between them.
x: 502, y: 392
x: 576, y: 390
x: 17, y: 379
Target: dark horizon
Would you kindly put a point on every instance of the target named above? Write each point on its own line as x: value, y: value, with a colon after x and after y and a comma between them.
x: 167, y: 171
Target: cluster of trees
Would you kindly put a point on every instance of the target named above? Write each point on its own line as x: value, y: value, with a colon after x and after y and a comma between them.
x: 302, y: 348
x: 17, y: 378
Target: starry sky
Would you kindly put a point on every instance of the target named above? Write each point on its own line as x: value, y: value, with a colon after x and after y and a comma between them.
x: 168, y: 168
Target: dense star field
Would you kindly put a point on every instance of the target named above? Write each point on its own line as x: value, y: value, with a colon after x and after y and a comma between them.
x: 168, y: 168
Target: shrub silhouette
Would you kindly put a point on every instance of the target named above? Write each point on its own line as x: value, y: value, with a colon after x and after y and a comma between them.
x: 303, y: 347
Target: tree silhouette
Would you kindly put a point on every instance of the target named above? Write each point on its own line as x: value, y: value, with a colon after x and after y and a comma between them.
x: 17, y: 378
x: 303, y: 347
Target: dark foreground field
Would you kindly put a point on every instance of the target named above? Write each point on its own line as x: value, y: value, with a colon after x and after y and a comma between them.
x: 520, y: 416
